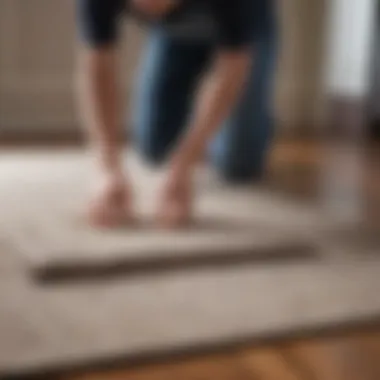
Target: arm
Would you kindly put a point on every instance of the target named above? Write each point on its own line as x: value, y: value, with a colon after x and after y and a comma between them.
x: 99, y: 95
x: 224, y: 83
x: 216, y: 99
x: 99, y: 100
x: 99, y: 106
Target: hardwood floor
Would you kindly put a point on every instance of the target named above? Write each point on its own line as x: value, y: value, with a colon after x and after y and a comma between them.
x: 355, y: 356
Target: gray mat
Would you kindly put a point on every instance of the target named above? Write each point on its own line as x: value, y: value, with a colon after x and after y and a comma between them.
x: 42, y: 194
x: 56, y: 328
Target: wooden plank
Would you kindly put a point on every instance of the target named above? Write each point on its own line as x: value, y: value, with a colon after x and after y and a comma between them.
x: 226, y: 367
x: 369, y: 345
x: 352, y: 357
x: 268, y: 364
x: 347, y: 358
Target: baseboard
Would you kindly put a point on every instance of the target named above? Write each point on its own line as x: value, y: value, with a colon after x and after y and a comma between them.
x: 345, y: 119
x: 74, y: 137
x: 66, y: 137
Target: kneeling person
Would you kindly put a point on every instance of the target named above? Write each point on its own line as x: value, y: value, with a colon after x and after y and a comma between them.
x: 231, y: 29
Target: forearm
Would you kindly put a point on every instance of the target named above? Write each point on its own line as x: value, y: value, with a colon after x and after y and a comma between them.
x: 216, y: 99
x: 100, y: 105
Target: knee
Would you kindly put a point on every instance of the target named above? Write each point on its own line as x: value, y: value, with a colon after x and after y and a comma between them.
x: 240, y: 166
x: 240, y: 174
x: 151, y: 152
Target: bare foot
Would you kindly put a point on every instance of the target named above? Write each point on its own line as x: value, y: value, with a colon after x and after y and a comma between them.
x: 110, y: 205
x: 175, y: 208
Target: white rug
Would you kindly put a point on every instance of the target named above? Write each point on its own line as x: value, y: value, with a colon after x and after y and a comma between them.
x: 50, y: 329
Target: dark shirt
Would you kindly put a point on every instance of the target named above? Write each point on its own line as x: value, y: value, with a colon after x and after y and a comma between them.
x: 228, y: 23
x: 225, y: 22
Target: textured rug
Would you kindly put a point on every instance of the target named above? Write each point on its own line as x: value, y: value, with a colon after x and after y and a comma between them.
x: 46, y: 330
x: 42, y: 196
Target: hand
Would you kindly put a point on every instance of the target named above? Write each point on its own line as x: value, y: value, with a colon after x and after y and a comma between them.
x: 175, y: 207
x: 110, y: 205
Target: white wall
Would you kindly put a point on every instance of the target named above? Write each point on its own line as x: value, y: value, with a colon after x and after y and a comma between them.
x: 348, y: 41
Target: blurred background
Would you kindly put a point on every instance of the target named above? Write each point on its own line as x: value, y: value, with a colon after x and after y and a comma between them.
x: 327, y: 50
x: 326, y: 156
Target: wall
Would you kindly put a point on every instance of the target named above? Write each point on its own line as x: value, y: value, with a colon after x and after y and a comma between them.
x: 37, y: 56
x: 374, y: 93
x: 299, y: 82
x: 37, y: 50
x: 35, y: 64
x: 350, y: 29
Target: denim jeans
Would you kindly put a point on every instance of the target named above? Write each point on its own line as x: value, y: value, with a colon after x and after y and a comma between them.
x: 169, y: 76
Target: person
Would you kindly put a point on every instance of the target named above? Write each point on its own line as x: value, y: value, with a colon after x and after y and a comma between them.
x: 231, y: 29
x: 162, y: 100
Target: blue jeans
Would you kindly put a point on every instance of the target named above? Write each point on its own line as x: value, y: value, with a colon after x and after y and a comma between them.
x: 169, y: 76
